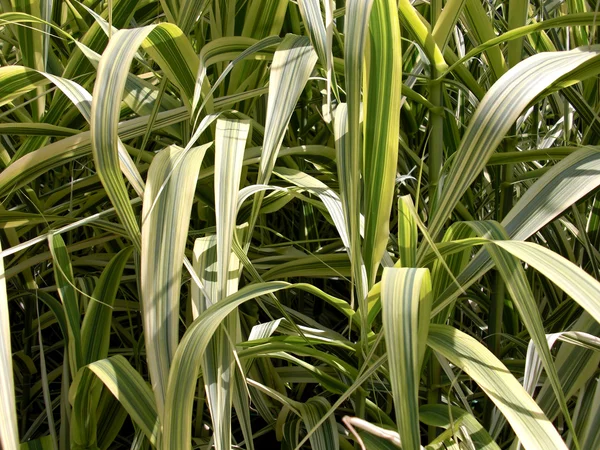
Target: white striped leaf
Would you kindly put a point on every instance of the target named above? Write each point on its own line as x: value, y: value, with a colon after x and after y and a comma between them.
x: 496, y: 113
x: 31, y: 45
x: 349, y: 146
x: 524, y: 415
x: 381, y: 108
x: 520, y: 291
x: 218, y: 363
x: 18, y: 80
x: 321, y: 37
x: 134, y: 394
x: 77, y: 66
x: 407, y: 233
x: 573, y: 280
x: 313, y: 20
x: 369, y: 435
x: 230, y: 142
x: 360, y: 380
x: 326, y: 435
x: 9, y: 434
x: 166, y: 213
x: 34, y: 164
x: 235, y: 48
x: 533, y: 363
x: 168, y: 47
x: 329, y: 198
x: 36, y: 128
x: 575, y: 366
x: 204, y: 263
x: 348, y: 165
x: 574, y: 20
x: 451, y: 418
x: 563, y: 185
x: 403, y: 293
x: 82, y: 99
x: 184, y: 370
x: 292, y: 64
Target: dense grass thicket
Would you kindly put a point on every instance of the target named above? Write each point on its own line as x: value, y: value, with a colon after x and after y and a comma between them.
x: 264, y: 224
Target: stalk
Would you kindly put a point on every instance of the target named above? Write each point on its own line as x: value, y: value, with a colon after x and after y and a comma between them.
x: 435, y: 162
x: 436, y: 136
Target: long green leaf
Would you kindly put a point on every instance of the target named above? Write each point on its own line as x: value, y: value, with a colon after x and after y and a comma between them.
x: 421, y: 32
x: 483, y: 30
x: 95, y: 341
x: 16, y: 81
x: 63, y: 273
x: 95, y: 329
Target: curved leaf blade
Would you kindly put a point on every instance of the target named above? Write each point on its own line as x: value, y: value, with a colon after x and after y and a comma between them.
x: 525, y: 416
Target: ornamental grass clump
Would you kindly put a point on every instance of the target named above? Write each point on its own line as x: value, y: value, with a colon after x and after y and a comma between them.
x: 269, y: 224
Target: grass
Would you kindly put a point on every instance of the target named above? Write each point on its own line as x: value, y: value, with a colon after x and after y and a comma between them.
x: 268, y: 224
